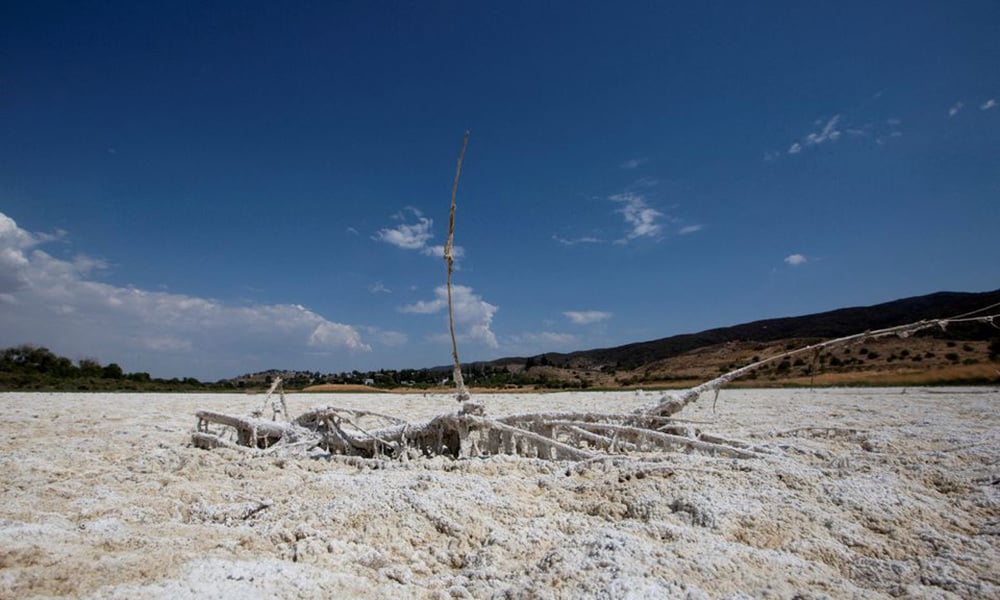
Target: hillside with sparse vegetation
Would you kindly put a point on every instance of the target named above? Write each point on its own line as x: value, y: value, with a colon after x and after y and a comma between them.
x: 963, y: 353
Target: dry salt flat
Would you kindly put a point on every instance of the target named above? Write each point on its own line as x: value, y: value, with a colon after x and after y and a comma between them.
x: 859, y: 493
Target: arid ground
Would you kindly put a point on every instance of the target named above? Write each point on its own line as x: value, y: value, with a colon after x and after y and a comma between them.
x: 859, y: 493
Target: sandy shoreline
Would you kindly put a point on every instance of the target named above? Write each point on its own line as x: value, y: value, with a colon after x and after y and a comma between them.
x: 892, y: 494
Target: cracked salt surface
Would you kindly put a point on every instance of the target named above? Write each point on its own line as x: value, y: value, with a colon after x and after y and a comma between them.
x: 862, y: 494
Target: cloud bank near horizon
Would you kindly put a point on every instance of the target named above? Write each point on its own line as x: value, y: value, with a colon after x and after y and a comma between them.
x: 61, y: 304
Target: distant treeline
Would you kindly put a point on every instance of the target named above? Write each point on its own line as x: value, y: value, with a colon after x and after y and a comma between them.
x: 478, y: 374
x: 34, y: 368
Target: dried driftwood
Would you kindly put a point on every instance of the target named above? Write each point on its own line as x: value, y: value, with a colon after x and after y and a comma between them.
x: 651, y: 430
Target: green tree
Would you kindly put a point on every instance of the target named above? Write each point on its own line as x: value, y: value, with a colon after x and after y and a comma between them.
x: 112, y: 371
x: 90, y: 367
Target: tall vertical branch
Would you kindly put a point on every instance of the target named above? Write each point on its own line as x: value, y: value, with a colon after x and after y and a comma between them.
x: 449, y: 257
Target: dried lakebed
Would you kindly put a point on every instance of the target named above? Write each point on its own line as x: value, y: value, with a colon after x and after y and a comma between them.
x: 859, y: 494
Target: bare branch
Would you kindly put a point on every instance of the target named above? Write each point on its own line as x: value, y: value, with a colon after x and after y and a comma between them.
x: 449, y: 257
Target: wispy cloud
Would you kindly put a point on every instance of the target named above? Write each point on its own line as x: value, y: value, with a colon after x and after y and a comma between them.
x: 579, y: 240
x: 438, y: 251
x: 989, y: 104
x: 690, y: 229
x: 644, y: 182
x: 379, y: 288
x: 385, y: 337
x: 833, y: 129
x: 634, y: 163
x: 955, y: 108
x: 796, y: 259
x: 829, y: 133
x: 542, y: 341
x: 55, y: 302
x: 586, y: 317
x: 473, y: 315
x: 641, y: 218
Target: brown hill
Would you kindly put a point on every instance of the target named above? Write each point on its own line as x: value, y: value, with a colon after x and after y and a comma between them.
x: 936, y: 356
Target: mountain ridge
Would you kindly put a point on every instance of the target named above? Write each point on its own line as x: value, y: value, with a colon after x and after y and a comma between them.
x: 823, y: 325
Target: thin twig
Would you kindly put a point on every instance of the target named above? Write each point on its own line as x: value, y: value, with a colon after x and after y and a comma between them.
x: 449, y: 257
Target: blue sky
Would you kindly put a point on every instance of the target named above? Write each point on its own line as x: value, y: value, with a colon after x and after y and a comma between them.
x: 211, y: 190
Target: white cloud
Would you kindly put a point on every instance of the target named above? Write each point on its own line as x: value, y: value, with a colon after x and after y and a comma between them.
x: 379, y: 288
x: 796, y: 259
x: 54, y: 302
x: 634, y: 163
x: 412, y: 236
x: 13, y: 242
x: 586, y: 317
x: 989, y: 104
x: 425, y: 307
x: 954, y: 109
x: 642, y: 218
x: 415, y: 235
x: 473, y: 315
x: 829, y: 133
x: 690, y: 229
x: 329, y: 334
x: 85, y: 264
